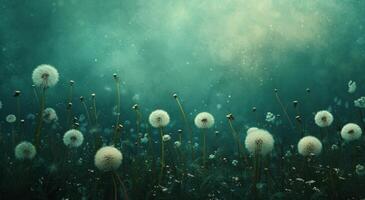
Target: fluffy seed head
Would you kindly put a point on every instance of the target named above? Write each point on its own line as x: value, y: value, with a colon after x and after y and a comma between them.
x: 108, y: 158
x: 309, y: 145
x: 159, y: 118
x: 323, y: 118
x: 73, y: 138
x: 166, y: 137
x: 25, y: 151
x: 251, y: 129
x: 45, y: 76
x: 259, y: 141
x: 351, y: 132
x: 204, y: 120
x: 50, y: 115
x: 10, y: 118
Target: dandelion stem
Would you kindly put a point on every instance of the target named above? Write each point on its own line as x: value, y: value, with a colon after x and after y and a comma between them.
x: 162, y: 156
x: 40, y: 118
x: 116, y: 78
x: 283, y: 108
x: 115, y: 188
x: 204, y: 148
x: 86, y: 111
x: 123, y: 186
x: 236, y: 138
x: 187, y: 125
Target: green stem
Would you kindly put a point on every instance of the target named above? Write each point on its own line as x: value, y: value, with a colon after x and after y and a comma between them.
x: 284, y: 110
x: 40, y: 119
x: 117, y: 111
x: 162, y: 156
x: 187, y: 125
x: 204, y: 147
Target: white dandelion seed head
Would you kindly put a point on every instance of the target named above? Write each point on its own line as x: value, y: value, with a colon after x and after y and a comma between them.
x: 309, y: 145
x: 73, y: 138
x: 166, y: 138
x: 49, y: 115
x: 159, y: 118
x: 45, y: 76
x: 177, y: 144
x: 108, y: 158
x: 204, y: 120
x: 351, y: 132
x: 10, y: 118
x: 25, y: 151
x: 251, y: 130
x: 260, y: 141
x: 323, y: 118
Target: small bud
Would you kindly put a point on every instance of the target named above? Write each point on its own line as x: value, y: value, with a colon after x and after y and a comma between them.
x: 22, y: 121
x: 308, y: 90
x: 179, y: 131
x: 230, y: 116
x: 298, y: 118
x: 17, y: 93
x: 254, y: 109
x: 276, y: 90
x: 135, y: 107
x: 93, y: 95
x: 174, y: 95
x: 72, y: 82
x: 81, y: 98
x: 295, y: 103
x: 69, y: 105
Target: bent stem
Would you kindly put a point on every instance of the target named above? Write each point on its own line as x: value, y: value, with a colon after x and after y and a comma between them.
x: 283, y: 109
x: 237, y: 139
x: 37, y: 135
x: 162, y: 156
x: 86, y: 111
x: 187, y: 125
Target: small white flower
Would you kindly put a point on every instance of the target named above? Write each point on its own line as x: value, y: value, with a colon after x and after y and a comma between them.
x: 351, y: 86
x: 11, y: 118
x: 360, y: 103
x: 177, y: 144
x: 166, y: 137
x: 270, y: 117
x: 211, y: 156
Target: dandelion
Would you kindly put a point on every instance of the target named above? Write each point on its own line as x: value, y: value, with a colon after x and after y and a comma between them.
x: 204, y: 120
x: 45, y: 76
x: 351, y: 86
x: 360, y: 103
x: 166, y: 138
x: 259, y: 141
x: 270, y: 117
x: 351, y: 132
x: 73, y: 138
x: 323, y: 118
x: 108, y: 158
x: 159, y: 118
x: 25, y: 151
x: 50, y: 115
x: 309, y: 145
x: 251, y: 130
x: 10, y: 118
x: 177, y: 144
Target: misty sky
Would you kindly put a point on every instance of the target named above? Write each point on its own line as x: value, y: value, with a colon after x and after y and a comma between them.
x: 212, y: 52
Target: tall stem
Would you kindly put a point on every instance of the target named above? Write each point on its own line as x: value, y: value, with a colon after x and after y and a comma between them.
x: 116, y: 78
x: 86, y: 111
x: 162, y: 156
x: 236, y: 138
x: 204, y: 147
x: 123, y: 186
x: 37, y: 135
x: 283, y: 109
x: 187, y: 125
